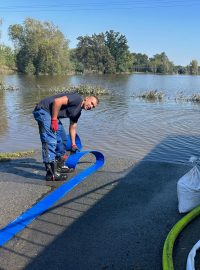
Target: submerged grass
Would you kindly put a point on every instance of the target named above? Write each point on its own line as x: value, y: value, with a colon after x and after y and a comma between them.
x: 155, y: 95
x: 152, y: 95
x: 4, y: 87
x: 195, y: 98
x: 15, y: 155
x: 82, y: 89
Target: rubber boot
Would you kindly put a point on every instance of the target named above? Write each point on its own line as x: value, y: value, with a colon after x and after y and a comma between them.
x: 49, y: 172
x: 53, y: 174
x: 61, y: 167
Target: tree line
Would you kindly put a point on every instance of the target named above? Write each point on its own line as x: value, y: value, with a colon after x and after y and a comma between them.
x: 41, y: 48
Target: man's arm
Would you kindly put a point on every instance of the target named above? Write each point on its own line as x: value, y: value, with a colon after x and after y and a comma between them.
x: 58, y: 102
x: 72, y: 132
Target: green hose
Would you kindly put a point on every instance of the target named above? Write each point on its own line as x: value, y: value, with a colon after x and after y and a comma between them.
x: 167, y: 257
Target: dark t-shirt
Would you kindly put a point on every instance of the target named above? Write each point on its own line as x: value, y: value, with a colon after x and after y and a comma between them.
x: 72, y: 110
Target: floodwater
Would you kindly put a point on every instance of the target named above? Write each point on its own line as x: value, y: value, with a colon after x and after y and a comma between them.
x: 121, y: 126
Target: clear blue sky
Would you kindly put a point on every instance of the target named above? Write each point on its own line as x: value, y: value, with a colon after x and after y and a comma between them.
x: 150, y: 26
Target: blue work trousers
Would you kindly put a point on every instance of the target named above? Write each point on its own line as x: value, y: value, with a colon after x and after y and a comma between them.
x: 53, y: 143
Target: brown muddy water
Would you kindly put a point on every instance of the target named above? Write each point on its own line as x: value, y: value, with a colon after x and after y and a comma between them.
x: 122, y: 125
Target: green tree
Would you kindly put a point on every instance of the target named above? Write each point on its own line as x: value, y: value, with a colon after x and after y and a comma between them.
x: 0, y: 26
x: 140, y: 62
x: 193, y: 67
x: 76, y: 65
x: 40, y: 48
x: 180, y: 69
x: 7, y: 56
x: 94, y: 55
x: 161, y: 64
x: 118, y: 47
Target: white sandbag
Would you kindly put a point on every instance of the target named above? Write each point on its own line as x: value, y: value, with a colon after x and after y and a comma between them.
x: 190, y: 259
x: 188, y: 190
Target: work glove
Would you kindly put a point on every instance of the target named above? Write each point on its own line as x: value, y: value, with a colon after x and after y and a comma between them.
x: 54, y: 124
x: 74, y: 149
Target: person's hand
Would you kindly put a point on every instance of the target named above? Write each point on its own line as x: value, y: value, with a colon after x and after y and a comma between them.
x: 54, y: 124
x: 74, y: 149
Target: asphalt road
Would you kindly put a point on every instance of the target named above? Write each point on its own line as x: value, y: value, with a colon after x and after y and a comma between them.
x: 118, y: 218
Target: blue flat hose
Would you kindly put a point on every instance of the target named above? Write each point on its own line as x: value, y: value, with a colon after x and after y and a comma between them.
x: 17, y: 225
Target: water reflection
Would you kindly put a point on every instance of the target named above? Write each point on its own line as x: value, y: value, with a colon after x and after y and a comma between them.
x: 3, y: 113
x: 121, y: 125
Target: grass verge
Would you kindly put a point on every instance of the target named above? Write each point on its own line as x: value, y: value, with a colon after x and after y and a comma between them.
x: 15, y: 155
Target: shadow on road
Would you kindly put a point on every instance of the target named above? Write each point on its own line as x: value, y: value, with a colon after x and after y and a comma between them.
x: 110, y: 221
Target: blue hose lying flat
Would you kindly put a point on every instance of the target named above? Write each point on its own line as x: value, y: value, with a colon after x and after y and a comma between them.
x: 26, y: 218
